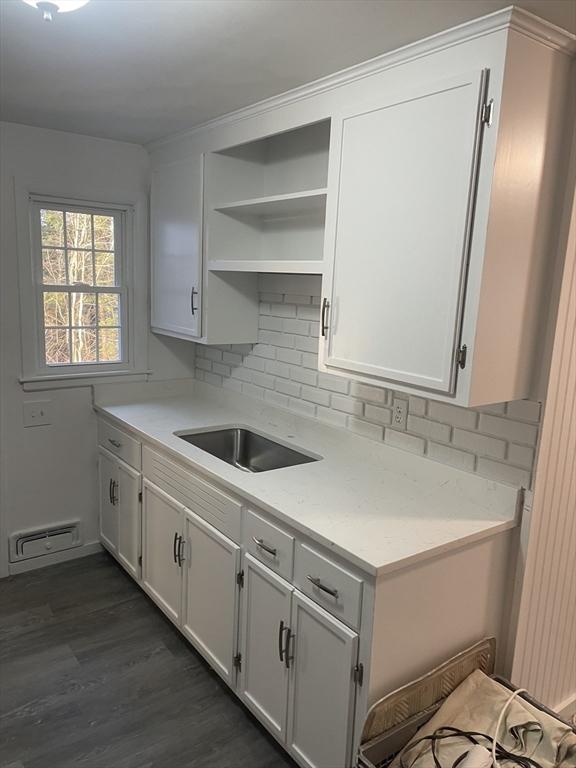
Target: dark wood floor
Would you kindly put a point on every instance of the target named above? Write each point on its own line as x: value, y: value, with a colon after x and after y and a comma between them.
x: 93, y: 676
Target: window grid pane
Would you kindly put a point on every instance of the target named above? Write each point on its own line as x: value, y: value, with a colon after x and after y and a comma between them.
x: 82, y: 317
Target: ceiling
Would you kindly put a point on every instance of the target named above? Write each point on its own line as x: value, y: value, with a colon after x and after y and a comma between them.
x: 138, y: 70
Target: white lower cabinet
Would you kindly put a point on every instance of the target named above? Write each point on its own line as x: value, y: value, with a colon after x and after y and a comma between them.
x: 264, y: 673
x: 129, y: 518
x: 108, y: 517
x: 322, y: 687
x: 210, y: 608
x: 297, y: 669
x: 162, y: 547
x: 120, y: 510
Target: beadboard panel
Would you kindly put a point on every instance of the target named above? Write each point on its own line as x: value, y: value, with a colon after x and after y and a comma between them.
x: 496, y: 441
x: 544, y: 660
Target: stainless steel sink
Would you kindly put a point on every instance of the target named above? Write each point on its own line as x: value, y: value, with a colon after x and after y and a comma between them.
x: 246, y: 450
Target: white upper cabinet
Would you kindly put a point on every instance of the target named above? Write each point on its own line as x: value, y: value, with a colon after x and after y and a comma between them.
x: 176, y: 232
x: 425, y: 186
x: 402, y: 180
x: 266, y: 203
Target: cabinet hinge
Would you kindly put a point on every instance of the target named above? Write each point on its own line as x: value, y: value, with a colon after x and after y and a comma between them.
x: 358, y: 673
x: 237, y: 661
x: 487, y: 112
x: 240, y: 579
x: 461, y: 356
x: 140, y: 497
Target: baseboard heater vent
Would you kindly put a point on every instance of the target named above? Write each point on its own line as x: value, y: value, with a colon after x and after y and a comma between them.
x: 28, y: 544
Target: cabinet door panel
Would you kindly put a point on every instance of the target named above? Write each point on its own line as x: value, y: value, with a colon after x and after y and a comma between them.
x: 107, y: 480
x: 210, y: 601
x: 129, y: 522
x: 322, y: 688
x: 161, y: 574
x: 176, y: 221
x: 403, y: 175
x: 264, y: 677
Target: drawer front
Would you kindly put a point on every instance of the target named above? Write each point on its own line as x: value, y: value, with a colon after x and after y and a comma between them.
x: 208, y: 502
x: 269, y: 544
x: 120, y: 444
x: 328, y: 584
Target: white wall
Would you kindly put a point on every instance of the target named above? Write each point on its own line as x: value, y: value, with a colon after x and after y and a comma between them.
x: 48, y: 474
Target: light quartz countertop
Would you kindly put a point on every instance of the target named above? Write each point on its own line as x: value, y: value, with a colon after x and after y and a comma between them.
x: 376, y: 506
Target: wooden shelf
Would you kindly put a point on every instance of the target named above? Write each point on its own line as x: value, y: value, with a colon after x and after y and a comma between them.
x: 293, y: 204
x: 267, y: 265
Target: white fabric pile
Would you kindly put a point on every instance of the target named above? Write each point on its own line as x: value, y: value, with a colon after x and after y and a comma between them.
x: 475, y: 706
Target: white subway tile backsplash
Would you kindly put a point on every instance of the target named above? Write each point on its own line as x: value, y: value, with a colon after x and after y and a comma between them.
x: 329, y: 416
x: 508, y: 429
x: 346, y: 404
x: 304, y: 375
x: 365, y: 428
x: 426, y: 428
x: 288, y: 387
x: 521, y: 456
x: 378, y: 414
x: 298, y: 327
x: 497, y: 441
x: 404, y: 441
x: 526, y: 410
x: 452, y: 456
x: 450, y: 414
x: 366, y: 392
x: 479, y: 444
x: 314, y: 395
x: 289, y: 356
x: 333, y: 383
x: 417, y: 405
x: 503, y: 473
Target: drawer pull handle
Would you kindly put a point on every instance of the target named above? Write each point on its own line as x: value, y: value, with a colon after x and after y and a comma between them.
x: 260, y: 543
x: 180, y: 550
x: 115, y: 443
x: 317, y: 583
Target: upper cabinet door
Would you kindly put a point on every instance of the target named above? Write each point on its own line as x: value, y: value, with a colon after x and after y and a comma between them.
x: 401, y: 187
x: 176, y: 243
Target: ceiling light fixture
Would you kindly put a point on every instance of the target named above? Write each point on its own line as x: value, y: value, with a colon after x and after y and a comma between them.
x: 50, y: 8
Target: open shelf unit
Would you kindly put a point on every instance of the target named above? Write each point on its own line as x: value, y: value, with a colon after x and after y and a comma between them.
x: 266, y: 203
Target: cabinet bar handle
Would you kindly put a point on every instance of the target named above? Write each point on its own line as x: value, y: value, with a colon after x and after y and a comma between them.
x: 181, y: 557
x: 325, y: 306
x: 115, y: 443
x: 174, y: 548
x: 114, y: 496
x: 193, y: 309
x: 260, y: 543
x: 317, y: 583
x: 110, y: 491
x: 287, y: 657
x: 281, y: 629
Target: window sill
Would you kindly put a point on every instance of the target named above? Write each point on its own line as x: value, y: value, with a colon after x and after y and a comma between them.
x: 74, y: 380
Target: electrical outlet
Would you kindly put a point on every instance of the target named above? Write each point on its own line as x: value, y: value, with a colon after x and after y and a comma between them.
x: 399, y: 413
x: 37, y: 414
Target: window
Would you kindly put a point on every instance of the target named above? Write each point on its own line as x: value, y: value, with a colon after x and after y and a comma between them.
x: 81, y: 292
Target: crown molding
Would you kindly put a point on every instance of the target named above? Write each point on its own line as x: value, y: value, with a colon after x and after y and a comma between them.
x: 542, y: 31
x: 508, y: 18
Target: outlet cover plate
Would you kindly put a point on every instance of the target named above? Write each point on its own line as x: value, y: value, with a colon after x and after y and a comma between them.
x: 37, y: 413
x: 399, y: 413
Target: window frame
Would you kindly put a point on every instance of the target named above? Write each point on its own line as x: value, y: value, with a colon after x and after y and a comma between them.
x: 35, y: 369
